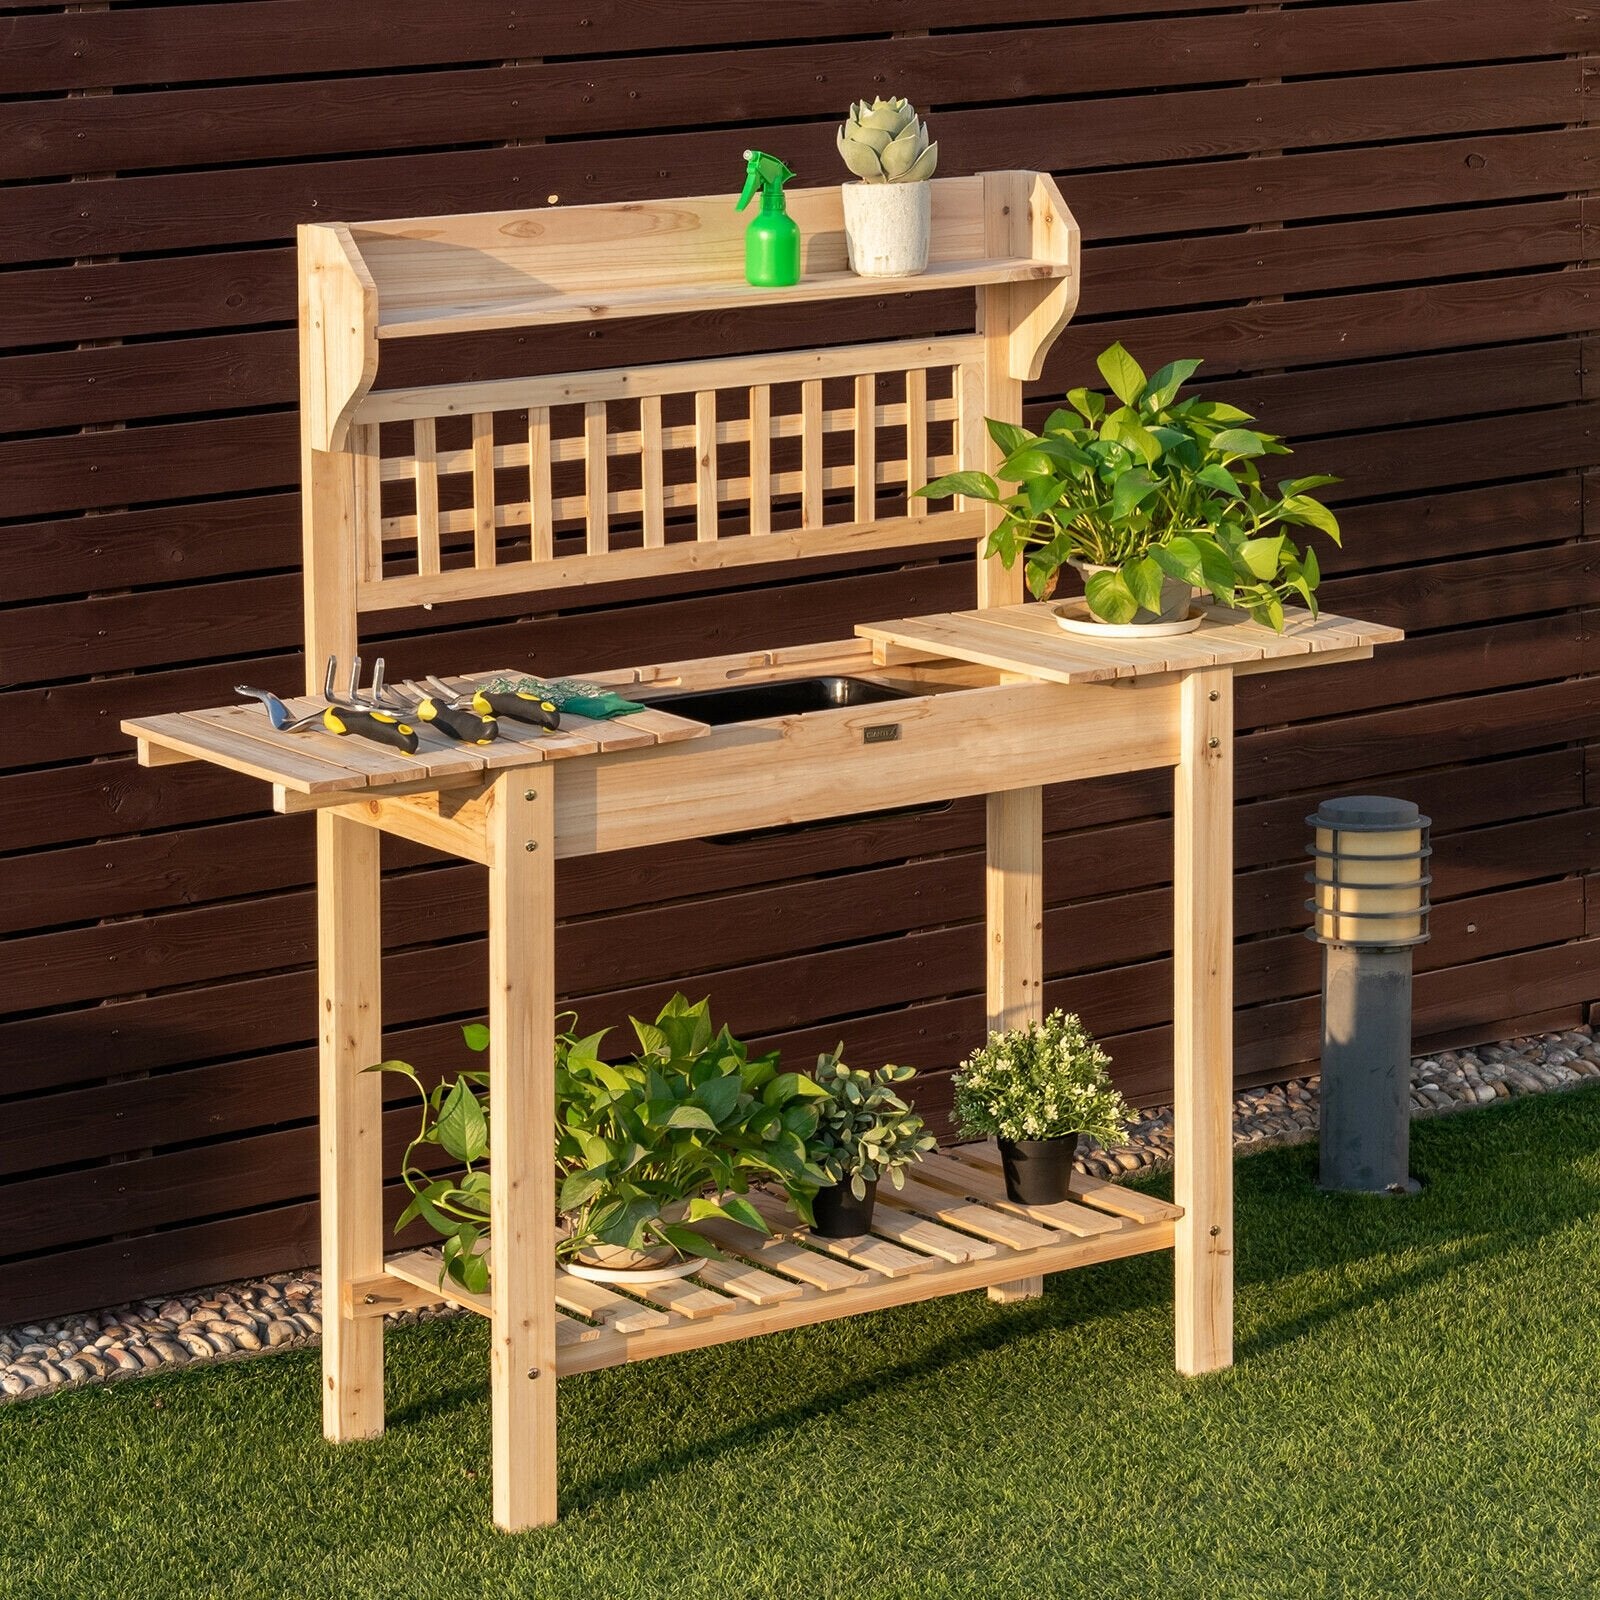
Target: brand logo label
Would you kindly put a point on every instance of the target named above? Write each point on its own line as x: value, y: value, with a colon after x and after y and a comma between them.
x: 881, y: 733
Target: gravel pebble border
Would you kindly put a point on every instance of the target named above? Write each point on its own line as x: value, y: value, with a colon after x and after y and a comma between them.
x: 284, y: 1312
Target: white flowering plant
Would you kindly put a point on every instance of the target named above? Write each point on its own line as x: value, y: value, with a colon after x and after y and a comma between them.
x: 1047, y: 1080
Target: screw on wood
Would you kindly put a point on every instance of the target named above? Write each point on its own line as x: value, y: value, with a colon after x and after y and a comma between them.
x: 1213, y: 743
x: 530, y: 794
x: 532, y: 844
x: 533, y: 1372
x: 1216, y: 694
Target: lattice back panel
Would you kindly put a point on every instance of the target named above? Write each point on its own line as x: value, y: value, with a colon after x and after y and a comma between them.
x: 607, y: 476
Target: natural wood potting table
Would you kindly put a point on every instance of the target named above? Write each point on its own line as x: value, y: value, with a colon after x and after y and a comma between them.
x: 474, y: 490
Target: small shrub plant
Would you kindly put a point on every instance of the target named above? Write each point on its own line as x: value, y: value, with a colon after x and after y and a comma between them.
x: 865, y: 1131
x: 1048, y: 1080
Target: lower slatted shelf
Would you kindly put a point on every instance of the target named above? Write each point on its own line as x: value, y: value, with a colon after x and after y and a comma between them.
x: 950, y: 1230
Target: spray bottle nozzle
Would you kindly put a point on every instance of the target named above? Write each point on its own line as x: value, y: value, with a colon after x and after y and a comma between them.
x: 764, y: 170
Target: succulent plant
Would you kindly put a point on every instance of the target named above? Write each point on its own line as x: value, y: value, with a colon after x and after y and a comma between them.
x: 887, y: 143
x: 865, y: 1131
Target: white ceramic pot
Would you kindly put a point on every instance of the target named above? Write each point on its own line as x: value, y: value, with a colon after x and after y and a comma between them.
x: 1176, y: 597
x: 614, y: 1263
x: 886, y: 228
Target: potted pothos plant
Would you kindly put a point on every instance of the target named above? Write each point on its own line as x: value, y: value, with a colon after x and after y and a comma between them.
x: 1038, y: 1090
x: 646, y: 1148
x: 1151, y: 498
x: 865, y: 1132
x: 888, y: 213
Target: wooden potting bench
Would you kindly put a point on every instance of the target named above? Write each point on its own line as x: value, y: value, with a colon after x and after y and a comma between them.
x: 474, y: 490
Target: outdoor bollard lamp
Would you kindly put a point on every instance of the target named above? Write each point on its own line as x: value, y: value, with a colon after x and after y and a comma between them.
x: 1369, y: 907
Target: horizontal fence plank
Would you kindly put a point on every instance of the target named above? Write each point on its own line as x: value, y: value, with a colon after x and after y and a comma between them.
x: 132, y: 46
x: 200, y: 127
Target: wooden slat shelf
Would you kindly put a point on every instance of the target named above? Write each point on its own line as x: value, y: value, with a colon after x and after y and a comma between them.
x: 1027, y: 639
x: 923, y: 1244
x: 314, y: 761
x: 417, y: 322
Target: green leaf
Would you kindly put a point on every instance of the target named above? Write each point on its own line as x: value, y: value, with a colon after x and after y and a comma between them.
x: 1311, y: 513
x: 1317, y: 480
x: 1164, y: 384
x: 1239, y: 442
x: 1124, y: 375
x: 1029, y: 462
x: 689, y: 1243
x: 740, y: 1210
x: 467, y: 1265
x: 1089, y: 405
x: 579, y: 1188
x: 1110, y: 597
x: 974, y: 485
x: 687, y: 1116
x: 1270, y: 611
x: 1143, y: 578
x: 1216, y: 570
x: 404, y: 1068
x: 719, y: 1096
x: 1039, y: 571
x: 1179, y: 558
x: 1261, y: 556
x: 651, y: 1039
x: 1216, y: 476
x: 624, y: 1221
x: 424, y: 1205
x: 1132, y: 488
x: 463, y: 1128
x: 1218, y: 411
x: 476, y: 1035
x: 1123, y: 427
x: 1044, y: 492
x: 1008, y: 437
x: 783, y: 1088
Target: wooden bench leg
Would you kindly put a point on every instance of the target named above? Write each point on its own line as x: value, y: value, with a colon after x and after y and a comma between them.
x: 349, y: 956
x: 1203, y: 1023
x: 1014, y: 896
x: 522, y: 1197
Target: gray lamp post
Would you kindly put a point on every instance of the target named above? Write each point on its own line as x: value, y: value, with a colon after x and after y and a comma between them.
x: 1369, y: 908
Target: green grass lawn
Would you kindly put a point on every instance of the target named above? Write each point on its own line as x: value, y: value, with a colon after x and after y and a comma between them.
x: 1415, y: 1413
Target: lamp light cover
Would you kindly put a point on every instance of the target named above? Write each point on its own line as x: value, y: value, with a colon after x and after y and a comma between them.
x: 1369, y: 873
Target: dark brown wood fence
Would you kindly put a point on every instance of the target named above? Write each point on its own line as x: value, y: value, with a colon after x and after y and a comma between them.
x: 1376, y: 222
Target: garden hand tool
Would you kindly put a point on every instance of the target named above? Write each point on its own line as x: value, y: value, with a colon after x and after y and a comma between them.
x: 382, y: 727
x: 517, y: 705
x: 466, y: 727
x: 281, y: 717
x: 582, y: 699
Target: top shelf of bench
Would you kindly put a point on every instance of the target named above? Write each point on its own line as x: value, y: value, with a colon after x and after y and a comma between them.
x: 1026, y: 639
x: 427, y: 276
x: 663, y: 299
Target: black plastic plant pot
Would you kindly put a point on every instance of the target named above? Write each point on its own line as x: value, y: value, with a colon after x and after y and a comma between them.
x: 839, y: 1214
x: 1038, y: 1171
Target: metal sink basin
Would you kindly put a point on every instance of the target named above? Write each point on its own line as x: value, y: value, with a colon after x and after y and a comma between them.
x: 751, y: 702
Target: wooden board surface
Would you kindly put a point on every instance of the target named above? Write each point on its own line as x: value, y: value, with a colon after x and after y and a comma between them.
x: 314, y: 761
x: 796, y: 1276
x: 1027, y: 639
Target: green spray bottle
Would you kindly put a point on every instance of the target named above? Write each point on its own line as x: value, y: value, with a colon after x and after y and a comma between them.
x: 772, y: 241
